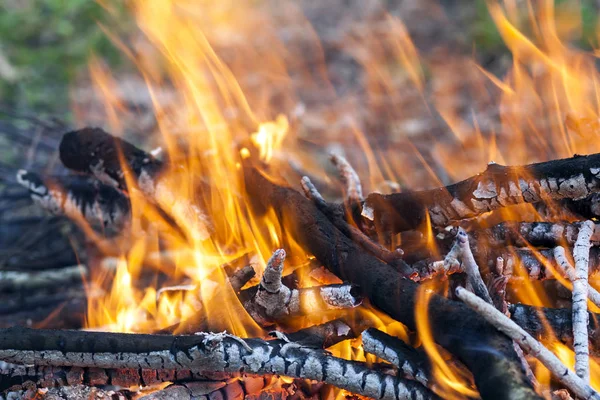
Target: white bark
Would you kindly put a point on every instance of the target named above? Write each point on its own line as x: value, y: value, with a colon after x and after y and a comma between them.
x: 504, y: 324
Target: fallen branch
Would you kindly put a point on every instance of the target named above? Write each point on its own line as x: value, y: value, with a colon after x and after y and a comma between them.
x: 12, y: 281
x: 203, y: 352
x: 497, y: 373
x: 562, y: 373
x: 498, y: 186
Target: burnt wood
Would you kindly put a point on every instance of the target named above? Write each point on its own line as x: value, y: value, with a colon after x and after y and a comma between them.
x: 498, y: 186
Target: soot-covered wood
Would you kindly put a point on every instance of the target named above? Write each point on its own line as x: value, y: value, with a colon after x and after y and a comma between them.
x: 487, y: 353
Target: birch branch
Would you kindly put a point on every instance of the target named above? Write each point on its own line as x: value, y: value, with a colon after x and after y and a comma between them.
x: 581, y: 254
x: 471, y: 268
x: 216, y: 352
x: 565, y: 266
x: 504, y: 324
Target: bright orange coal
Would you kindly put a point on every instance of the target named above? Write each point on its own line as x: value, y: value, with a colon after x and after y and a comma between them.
x: 213, y: 123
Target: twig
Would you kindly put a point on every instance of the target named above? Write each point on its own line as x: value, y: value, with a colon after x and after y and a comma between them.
x: 565, y: 266
x: 205, y: 351
x: 581, y: 254
x: 471, y: 268
x: 349, y: 177
x: 529, y: 344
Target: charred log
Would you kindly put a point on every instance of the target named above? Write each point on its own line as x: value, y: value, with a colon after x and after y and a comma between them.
x: 498, y: 373
x: 201, y: 352
x: 93, y: 151
x: 78, y: 198
x: 498, y: 186
x: 538, y: 234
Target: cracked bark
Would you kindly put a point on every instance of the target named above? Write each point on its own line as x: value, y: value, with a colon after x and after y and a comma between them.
x: 498, y: 374
x: 201, y: 352
x: 498, y: 186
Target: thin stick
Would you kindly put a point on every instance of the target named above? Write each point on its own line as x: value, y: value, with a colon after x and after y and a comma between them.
x: 349, y: 178
x: 581, y: 254
x: 504, y: 324
x: 471, y: 268
x: 565, y: 266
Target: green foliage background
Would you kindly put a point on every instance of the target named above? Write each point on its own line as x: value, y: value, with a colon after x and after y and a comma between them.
x: 47, y: 43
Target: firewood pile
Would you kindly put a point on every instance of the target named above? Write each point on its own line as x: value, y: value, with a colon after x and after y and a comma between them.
x: 220, y: 265
x: 476, y: 322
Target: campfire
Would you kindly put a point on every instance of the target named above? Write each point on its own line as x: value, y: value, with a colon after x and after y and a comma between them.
x: 222, y: 260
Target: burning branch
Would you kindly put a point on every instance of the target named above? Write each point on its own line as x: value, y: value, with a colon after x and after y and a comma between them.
x: 581, y: 254
x: 335, y: 214
x: 498, y: 186
x: 215, y: 352
x: 93, y: 151
x: 529, y: 344
x: 537, y: 321
x: 349, y: 177
x: 539, y: 234
x: 79, y: 198
x: 568, y: 270
x: 273, y: 300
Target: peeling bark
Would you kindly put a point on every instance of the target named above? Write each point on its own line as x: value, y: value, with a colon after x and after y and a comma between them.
x: 498, y: 186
